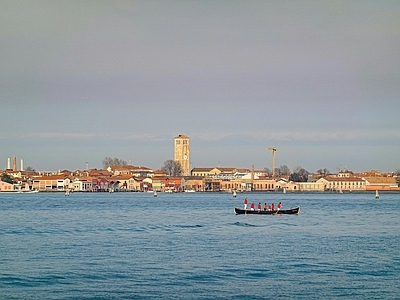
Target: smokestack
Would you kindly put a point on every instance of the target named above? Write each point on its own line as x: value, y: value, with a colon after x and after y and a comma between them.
x: 15, y: 164
x: 9, y: 163
x: 22, y: 164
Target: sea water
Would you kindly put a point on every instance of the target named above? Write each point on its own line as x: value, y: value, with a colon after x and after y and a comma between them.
x: 193, y: 246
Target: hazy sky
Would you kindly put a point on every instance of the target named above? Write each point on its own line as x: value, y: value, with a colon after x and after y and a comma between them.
x: 318, y: 80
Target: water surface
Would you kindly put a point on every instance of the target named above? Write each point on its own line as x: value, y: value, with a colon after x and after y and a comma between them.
x: 192, y: 246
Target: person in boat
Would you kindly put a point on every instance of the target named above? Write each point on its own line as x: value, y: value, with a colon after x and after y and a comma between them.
x: 273, y: 206
x: 259, y: 207
x: 279, y: 206
x: 265, y: 206
x: 245, y: 203
x: 269, y: 207
x: 252, y: 206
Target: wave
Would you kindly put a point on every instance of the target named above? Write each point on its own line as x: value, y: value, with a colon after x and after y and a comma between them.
x: 32, y: 281
x: 189, y: 226
x: 242, y: 224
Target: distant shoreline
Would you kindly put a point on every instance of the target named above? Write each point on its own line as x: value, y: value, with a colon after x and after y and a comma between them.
x: 203, y: 192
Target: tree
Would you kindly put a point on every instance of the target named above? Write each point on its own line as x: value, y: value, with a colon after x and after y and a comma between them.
x: 108, y: 161
x: 282, y: 170
x: 172, y: 167
x: 268, y: 171
x: 323, y: 172
x: 30, y: 169
x: 299, y: 175
x: 7, y: 178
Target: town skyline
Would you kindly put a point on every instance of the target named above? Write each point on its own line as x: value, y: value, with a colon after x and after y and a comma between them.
x: 80, y: 81
x: 19, y: 164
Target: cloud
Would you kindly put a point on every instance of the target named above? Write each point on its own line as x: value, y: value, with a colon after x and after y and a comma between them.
x: 146, y: 137
x: 243, y: 137
x: 93, y: 136
x: 59, y: 135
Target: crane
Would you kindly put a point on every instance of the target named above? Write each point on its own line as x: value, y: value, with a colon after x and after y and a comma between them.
x: 273, y: 149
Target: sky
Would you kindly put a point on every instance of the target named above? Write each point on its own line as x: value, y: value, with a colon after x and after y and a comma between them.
x: 85, y: 80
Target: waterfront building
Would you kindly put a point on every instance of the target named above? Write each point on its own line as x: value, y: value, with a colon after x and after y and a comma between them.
x: 381, y: 184
x: 339, y: 184
x: 6, y: 187
x: 51, y: 183
x: 212, y: 185
x: 247, y: 184
x: 119, y: 183
x: 146, y: 185
x: 264, y: 184
x: 182, y: 153
x: 192, y: 183
x: 310, y: 186
x: 100, y: 184
x: 167, y: 183
x: 82, y: 184
x: 134, y: 184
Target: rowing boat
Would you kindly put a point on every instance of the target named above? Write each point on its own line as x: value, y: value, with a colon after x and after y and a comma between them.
x: 292, y: 211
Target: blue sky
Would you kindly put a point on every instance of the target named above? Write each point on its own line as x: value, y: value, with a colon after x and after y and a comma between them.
x: 318, y: 80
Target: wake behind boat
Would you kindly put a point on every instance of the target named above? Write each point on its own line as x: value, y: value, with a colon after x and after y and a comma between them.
x: 292, y: 211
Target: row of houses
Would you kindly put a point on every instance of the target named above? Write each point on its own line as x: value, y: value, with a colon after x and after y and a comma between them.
x: 142, y: 179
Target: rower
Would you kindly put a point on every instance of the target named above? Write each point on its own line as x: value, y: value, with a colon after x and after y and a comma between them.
x: 259, y: 207
x: 273, y: 206
x: 245, y: 203
x: 279, y: 206
x: 265, y: 206
x: 252, y: 206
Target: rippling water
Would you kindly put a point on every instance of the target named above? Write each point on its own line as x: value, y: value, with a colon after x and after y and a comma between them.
x: 192, y: 246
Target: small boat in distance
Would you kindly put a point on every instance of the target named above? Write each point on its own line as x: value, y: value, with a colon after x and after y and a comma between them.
x: 376, y: 194
x: 155, y: 193
x: 291, y: 211
x: 234, y: 194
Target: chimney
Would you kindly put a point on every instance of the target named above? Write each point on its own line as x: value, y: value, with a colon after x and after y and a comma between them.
x: 9, y: 163
x: 15, y: 164
x: 22, y: 164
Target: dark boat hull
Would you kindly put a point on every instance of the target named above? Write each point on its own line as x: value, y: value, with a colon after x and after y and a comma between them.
x: 292, y: 211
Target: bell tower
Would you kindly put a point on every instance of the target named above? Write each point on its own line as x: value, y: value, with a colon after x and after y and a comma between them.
x: 182, y: 153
